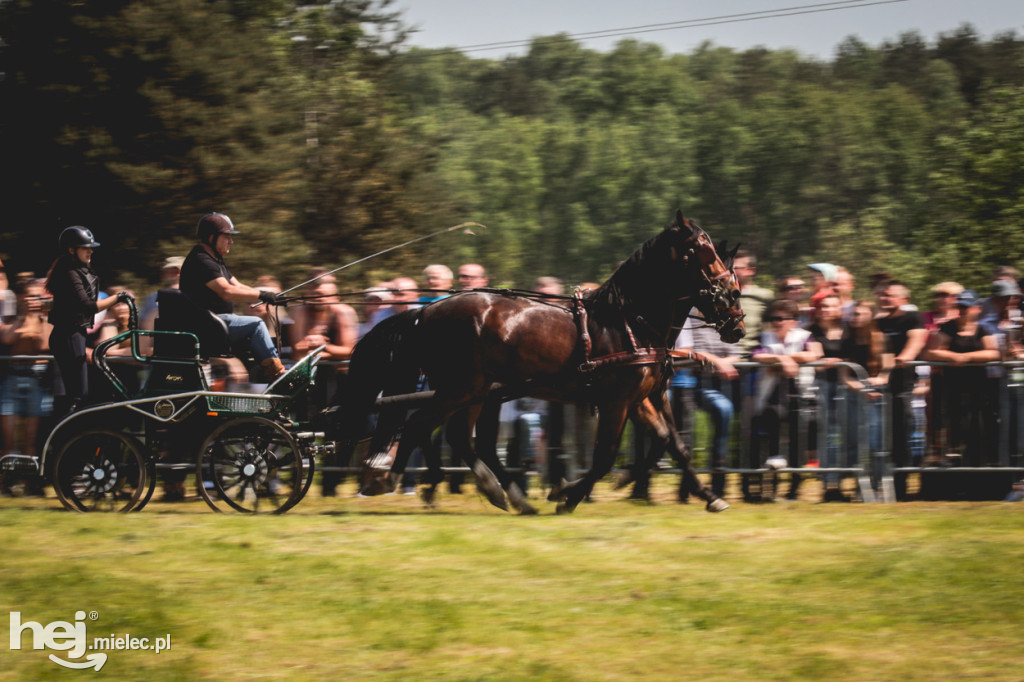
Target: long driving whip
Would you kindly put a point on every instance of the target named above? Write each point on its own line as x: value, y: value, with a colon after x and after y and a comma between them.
x: 466, y: 226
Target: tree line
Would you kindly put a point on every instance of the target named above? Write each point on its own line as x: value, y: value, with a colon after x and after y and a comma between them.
x: 327, y: 138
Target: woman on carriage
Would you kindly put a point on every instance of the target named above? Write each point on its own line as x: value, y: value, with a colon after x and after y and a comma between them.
x: 75, y: 290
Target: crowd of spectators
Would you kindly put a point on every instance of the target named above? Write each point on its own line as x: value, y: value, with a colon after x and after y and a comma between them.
x: 800, y: 337
x: 826, y: 368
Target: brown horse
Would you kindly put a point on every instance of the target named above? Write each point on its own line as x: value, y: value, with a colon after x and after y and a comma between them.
x: 609, y: 349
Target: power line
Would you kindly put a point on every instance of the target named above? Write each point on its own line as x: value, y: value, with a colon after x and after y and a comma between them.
x: 685, y: 23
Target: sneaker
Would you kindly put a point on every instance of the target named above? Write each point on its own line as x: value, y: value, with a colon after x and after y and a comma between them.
x: 776, y: 462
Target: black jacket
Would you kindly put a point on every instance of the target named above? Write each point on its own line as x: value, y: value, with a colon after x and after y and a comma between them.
x: 75, y: 288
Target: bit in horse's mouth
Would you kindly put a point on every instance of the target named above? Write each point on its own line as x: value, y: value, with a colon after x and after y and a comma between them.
x: 732, y: 332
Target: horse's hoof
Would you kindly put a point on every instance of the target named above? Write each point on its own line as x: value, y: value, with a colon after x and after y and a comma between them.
x: 376, y: 482
x: 563, y: 508
x: 428, y: 495
x: 518, y: 499
x: 487, y: 483
x: 717, y: 505
x: 642, y: 494
x: 558, y: 492
x: 623, y: 479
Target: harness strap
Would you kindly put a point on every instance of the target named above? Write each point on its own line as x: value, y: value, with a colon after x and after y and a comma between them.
x: 643, y: 356
x: 629, y: 333
x: 633, y: 356
x: 580, y: 312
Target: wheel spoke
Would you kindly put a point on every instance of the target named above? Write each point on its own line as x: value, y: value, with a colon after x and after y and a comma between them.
x: 252, y: 464
x: 100, y: 470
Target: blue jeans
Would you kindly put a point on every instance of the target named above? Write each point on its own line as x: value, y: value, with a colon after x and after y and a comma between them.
x: 23, y: 395
x: 719, y: 409
x: 253, y: 331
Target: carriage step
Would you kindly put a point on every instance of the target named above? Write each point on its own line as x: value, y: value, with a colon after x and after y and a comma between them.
x: 20, y: 464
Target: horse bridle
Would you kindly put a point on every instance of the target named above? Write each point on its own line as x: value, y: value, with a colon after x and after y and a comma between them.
x: 715, y: 290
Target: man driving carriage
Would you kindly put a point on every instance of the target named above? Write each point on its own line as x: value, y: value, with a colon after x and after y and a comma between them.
x: 207, y: 281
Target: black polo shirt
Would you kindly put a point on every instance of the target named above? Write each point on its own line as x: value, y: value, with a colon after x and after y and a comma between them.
x: 897, y: 329
x: 198, y: 269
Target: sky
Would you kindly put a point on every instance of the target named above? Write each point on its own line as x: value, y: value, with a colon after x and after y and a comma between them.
x: 813, y: 27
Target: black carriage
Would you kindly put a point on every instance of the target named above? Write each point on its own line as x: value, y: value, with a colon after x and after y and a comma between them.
x: 247, y: 451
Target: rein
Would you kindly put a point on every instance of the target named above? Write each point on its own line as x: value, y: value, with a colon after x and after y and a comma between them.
x: 314, y: 299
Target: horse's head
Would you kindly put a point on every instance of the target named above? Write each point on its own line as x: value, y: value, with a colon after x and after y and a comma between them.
x: 710, y: 284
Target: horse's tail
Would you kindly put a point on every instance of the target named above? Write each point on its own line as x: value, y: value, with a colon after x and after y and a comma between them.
x: 384, y: 361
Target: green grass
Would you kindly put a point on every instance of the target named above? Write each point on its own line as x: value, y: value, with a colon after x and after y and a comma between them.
x: 383, y: 589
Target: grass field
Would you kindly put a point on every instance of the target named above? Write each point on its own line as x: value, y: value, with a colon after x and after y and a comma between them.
x: 383, y: 589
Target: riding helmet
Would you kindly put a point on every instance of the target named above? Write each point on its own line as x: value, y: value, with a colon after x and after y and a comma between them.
x: 213, y: 225
x: 75, y: 237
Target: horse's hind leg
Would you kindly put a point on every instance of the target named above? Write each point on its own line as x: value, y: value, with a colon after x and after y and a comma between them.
x: 460, y: 425
x: 487, y: 451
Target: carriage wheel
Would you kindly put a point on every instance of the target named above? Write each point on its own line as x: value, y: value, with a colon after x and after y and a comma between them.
x: 100, y: 470
x: 148, y: 492
x: 251, y: 465
x: 308, y: 460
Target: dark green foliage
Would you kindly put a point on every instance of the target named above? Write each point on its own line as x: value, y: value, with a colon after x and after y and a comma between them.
x: 327, y: 140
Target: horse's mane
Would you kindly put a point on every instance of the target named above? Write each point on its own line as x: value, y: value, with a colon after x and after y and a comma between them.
x: 621, y: 288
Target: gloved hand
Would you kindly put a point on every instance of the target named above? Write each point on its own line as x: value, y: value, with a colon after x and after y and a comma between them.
x: 271, y: 298
x: 124, y: 296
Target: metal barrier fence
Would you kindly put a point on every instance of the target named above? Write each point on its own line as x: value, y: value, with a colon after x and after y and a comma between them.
x: 949, y: 423
x: 950, y: 430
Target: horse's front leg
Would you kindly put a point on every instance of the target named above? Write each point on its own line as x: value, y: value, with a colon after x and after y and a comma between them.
x: 610, y: 423
x: 431, y: 448
x: 644, y: 460
x: 662, y: 423
x: 417, y: 432
x: 384, y: 435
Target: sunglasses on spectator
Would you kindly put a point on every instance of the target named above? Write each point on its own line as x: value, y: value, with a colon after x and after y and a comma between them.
x: 776, y: 318
x: 793, y: 287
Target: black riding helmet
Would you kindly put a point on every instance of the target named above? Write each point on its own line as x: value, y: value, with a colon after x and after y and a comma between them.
x: 75, y: 237
x: 212, y: 225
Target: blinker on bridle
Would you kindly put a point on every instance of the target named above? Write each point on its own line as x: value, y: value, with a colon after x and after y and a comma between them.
x: 715, y: 291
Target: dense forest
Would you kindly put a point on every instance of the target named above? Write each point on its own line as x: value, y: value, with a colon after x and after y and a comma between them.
x: 327, y: 138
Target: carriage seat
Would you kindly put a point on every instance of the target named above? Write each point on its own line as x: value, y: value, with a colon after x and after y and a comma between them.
x: 178, y: 313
